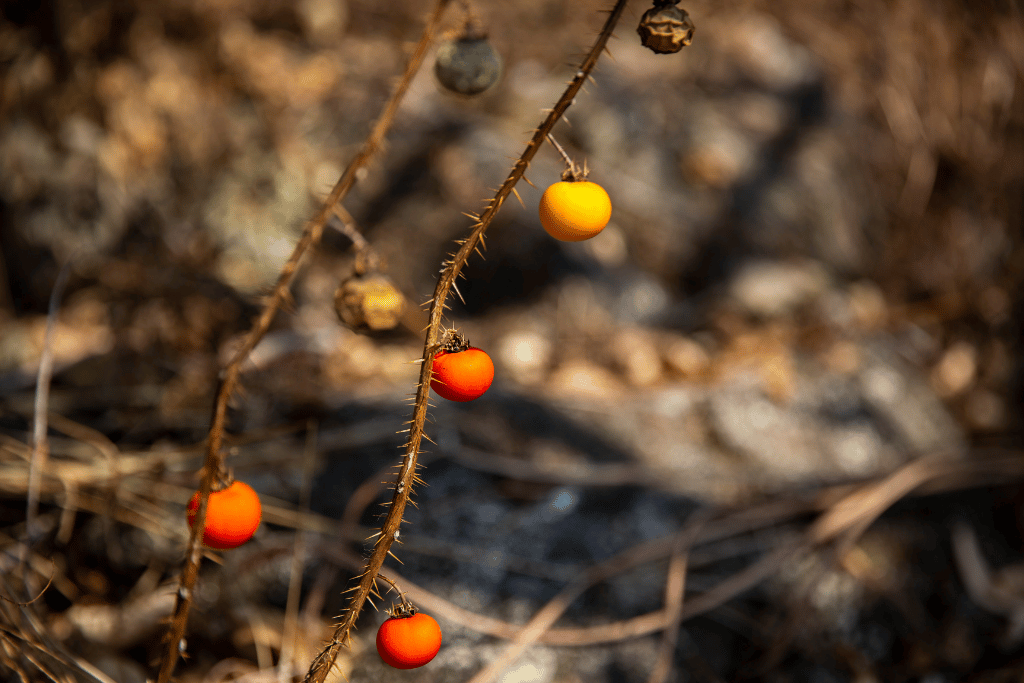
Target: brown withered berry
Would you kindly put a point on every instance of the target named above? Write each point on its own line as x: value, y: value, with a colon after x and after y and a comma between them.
x: 467, y: 64
x: 665, y: 28
x: 369, y: 301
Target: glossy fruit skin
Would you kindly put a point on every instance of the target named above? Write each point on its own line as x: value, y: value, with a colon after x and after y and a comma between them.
x: 463, y: 375
x: 232, y: 516
x: 408, y: 642
x: 573, y: 211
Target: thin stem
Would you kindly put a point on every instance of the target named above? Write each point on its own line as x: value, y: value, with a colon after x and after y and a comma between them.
x: 406, y: 479
x: 406, y: 605
x: 214, y: 465
x: 40, y: 444
x: 568, y: 160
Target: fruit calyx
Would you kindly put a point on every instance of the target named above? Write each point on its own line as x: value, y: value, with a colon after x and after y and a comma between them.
x: 454, y: 342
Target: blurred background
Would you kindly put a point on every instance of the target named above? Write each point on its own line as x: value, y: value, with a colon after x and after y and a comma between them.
x: 812, y: 277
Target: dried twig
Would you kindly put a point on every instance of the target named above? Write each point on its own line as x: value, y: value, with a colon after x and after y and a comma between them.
x: 214, y: 466
x: 675, y: 591
x: 285, y: 663
x: 40, y: 448
x: 547, y: 616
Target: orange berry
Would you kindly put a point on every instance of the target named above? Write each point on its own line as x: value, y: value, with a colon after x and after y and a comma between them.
x: 408, y: 642
x: 462, y: 375
x: 573, y: 211
x: 232, y: 516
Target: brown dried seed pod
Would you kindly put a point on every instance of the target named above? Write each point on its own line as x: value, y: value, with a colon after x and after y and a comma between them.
x: 369, y: 301
x: 467, y: 65
x: 665, y: 28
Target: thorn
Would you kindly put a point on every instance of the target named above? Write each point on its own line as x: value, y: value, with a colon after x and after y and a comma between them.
x: 456, y: 288
x: 396, y: 557
x: 516, y: 193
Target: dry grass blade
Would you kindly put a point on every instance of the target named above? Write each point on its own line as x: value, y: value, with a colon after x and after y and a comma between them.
x: 39, y: 655
x: 546, y: 617
x: 291, y: 623
x: 856, y: 511
x: 675, y: 591
x: 40, y: 449
x: 842, y: 509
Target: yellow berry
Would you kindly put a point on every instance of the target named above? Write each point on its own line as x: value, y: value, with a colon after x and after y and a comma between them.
x: 573, y: 211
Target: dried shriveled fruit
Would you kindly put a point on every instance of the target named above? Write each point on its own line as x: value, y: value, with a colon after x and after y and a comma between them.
x: 467, y: 64
x: 665, y: 28
x: 369, y: 301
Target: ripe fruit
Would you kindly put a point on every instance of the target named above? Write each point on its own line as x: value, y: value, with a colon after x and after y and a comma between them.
x: 574, y: 210
x: 461, y: 372
x: 408, y: 642
x: 232, y: 516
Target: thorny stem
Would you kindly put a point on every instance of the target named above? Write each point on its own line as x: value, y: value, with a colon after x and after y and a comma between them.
x: 389, y: 531
x: 214, y: 465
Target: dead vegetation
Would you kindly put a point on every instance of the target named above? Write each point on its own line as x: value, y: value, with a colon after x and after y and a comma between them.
x: 762, y: 429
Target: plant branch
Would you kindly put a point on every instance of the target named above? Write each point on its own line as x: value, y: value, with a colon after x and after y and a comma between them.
x: 389, y: 532
x: 214, y: 464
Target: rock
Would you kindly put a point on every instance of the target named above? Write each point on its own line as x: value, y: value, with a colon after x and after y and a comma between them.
x: 769, y: 289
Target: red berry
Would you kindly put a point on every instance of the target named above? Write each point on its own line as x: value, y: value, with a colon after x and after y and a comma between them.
x: 408, y: 642
x: 462, y: 375
x: 232, y: 516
